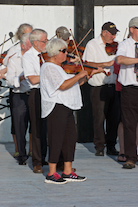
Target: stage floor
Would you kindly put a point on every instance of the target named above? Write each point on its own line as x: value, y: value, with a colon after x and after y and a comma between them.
x: 107, y: 184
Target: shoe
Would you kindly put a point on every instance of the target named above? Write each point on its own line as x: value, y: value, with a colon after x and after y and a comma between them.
x: 55, y: 179
x: 37, y: 169
x: 16, y: 154
x: 129, y: 165
x: 99, y: 152
x: 44, y: 162
x: 112, y: 151
x: 73, y: 177
x: 61, y: 168
x: 73, y: 169
x: 121, y: 158
x: 22, y: 162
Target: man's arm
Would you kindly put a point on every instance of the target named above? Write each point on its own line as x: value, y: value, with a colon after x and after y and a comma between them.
x: 102, y: 65
x: 126, y: 60
x: 34, y: 79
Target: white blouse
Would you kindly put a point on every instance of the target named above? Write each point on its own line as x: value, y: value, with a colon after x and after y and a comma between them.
x: 52, y: 77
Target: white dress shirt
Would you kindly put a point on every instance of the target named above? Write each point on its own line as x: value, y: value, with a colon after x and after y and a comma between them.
x: 14, y: 71
x: 126, y: 74
x: 95, y: 52
x: 51, y: 78
x: 31, y: 65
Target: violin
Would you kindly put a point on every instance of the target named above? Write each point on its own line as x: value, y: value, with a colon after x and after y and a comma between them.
x: 2, y: 56
x: 71, y: 49
x: 71, y: 68
x: 45, y: 56
x: 111, y: 49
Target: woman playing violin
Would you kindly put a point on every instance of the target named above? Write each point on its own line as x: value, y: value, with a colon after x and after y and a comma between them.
x: 60, y: 93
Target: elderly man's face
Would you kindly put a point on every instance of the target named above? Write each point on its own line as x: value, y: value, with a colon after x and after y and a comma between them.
x: 41, y: 43
x: 108, y: 37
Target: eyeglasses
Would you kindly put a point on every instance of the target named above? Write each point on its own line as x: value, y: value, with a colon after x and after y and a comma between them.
x: 64, y: 50
x: 42, y: 41
x: 135, y: 27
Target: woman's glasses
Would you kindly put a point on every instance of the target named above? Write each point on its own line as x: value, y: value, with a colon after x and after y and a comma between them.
x: 64, y: 50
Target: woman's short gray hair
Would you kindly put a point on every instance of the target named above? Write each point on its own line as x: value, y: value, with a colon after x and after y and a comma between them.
x: 36, y: 35
x: 53, y: 46
x: 21, y: 29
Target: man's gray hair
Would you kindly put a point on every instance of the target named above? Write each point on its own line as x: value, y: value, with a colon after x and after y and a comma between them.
x: 36, y: 35
x: 21, y: 29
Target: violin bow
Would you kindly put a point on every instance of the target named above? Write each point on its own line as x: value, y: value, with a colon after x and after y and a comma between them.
x: 77, y: 50
x: 52, y: 37
x: 83, y: 39
x: 125, y: 34
x: 3, y: 44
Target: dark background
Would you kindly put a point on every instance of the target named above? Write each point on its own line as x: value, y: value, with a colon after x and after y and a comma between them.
x: 69, y: 2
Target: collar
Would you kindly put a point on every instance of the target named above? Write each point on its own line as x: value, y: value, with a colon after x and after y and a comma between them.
x: 132, y: 40
x: 100, y: 41
x: 19, y: 54
x: 35, y: 52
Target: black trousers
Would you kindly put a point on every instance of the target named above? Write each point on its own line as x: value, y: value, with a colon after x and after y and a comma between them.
x: 38, y: 125
x: 105, y: 106
x: 129, y: 104
x: 20, y: 113
x: 10, y: 101
x: 62, y: 134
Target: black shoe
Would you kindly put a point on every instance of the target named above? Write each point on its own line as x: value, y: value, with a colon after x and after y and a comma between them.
x: 99, y: 152
x: 22, y: 162
x: 73, y: 177
x: 112, y: 151
x: 55, y: 179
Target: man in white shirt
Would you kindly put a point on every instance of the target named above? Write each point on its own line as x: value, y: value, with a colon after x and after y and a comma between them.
x: 22, y: 29
x: 129, y: 93
x: 103, y: 95
x: 31, y: 66
x: 20, y: 111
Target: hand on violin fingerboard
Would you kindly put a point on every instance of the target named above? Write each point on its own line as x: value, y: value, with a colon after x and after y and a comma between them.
x: 95, y: 71
x: 75, y: 60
